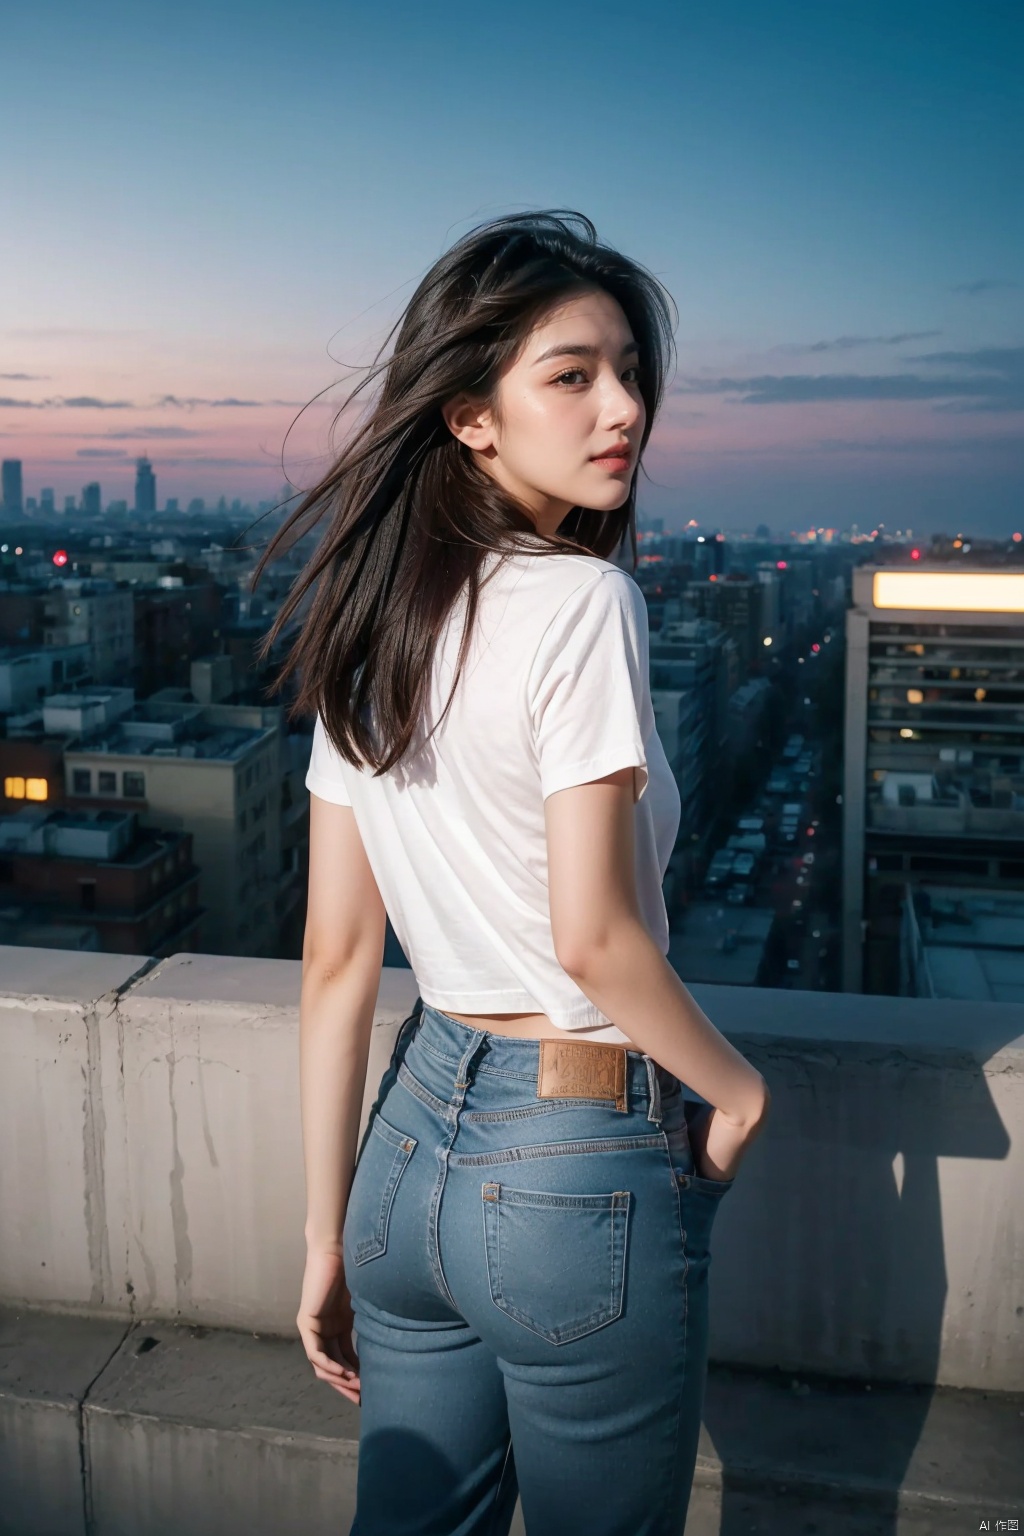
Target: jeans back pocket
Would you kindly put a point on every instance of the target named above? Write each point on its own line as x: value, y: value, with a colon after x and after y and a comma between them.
x: 556, y: 1263
x: 385, y: 1157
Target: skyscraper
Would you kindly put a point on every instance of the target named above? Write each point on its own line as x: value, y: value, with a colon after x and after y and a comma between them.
x: 12, y: 497
x: 934, y: 752
x: 145, y: 486
x: 92, y: 504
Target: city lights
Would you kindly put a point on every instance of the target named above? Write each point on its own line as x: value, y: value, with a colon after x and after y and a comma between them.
x: 950, y: 591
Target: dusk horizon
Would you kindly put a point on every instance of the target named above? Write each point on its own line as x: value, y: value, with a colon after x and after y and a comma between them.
x: 214, y: 226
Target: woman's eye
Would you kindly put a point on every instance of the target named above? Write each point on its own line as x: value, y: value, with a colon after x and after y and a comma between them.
x: 571, y: 375
x: 633, y: 374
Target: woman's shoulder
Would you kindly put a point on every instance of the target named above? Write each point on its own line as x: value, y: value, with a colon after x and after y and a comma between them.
x: 563, y: 572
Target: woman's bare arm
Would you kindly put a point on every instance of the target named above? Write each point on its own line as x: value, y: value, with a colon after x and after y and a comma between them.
x: 602, y: 942
x: 343, y: 951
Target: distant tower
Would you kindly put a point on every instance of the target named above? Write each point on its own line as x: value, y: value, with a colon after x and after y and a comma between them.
x: 145, y: 486
x: 47, y: 505
x: 12, y: 497
x: 92, y: 502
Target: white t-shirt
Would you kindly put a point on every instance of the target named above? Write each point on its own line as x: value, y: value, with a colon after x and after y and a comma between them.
x: 555, y: 691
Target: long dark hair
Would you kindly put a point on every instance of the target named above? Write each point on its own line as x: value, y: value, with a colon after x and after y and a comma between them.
x: 412, y: 516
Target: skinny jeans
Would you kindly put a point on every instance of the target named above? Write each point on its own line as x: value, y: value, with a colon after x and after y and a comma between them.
x: 529, y: 1282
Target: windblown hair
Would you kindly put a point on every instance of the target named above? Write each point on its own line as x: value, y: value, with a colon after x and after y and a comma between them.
x: 411, y: 515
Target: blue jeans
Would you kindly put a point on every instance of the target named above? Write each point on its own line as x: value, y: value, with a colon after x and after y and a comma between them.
x: 529, y: 1279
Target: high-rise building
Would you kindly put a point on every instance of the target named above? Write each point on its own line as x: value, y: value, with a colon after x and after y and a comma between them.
x: 14, y: 505
x: 70, y: 505
x: 734, y: 602
x: 46, y: 501
x: 92, y: 501
x: 933, y: 790
x: 145, y: 486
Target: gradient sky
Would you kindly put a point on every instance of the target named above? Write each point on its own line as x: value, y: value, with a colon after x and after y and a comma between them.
x: 210, y: 209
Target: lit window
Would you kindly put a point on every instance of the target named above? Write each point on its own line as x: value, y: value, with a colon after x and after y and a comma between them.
x: 957, y: 591
x: 36, y: 789
x: 14, y: 788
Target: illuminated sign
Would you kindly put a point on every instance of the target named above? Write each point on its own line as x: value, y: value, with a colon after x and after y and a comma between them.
x: 950, y: 591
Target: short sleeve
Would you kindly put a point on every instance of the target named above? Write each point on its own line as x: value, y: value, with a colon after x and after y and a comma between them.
x: 324, y: 776
x: 589, y: 686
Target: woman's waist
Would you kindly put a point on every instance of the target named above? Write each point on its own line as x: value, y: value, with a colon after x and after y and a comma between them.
x: 537, y: 1026
x: 446, y: 1062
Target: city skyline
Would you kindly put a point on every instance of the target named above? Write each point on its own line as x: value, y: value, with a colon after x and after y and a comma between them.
x: 828, y: 196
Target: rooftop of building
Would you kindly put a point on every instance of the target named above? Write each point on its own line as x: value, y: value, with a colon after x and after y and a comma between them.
x: 972, y: 941
x: 720, y: 944
x: 122, y: 842
x: 209, y: 743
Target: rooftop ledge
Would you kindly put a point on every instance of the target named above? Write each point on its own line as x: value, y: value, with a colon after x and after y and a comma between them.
x: 151, y: 1163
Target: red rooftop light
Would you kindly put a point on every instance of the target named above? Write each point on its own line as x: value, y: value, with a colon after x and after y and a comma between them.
x: 780, y: 565
x: 61, y: 557
x: 915, y: 554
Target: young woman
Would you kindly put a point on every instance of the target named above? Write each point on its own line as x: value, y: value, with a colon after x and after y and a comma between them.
x: 520, y: 1242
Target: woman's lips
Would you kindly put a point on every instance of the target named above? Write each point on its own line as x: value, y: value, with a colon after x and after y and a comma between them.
x: 616, y: 462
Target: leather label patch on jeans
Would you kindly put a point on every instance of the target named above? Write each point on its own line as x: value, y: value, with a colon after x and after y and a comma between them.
x: 582, y: 1069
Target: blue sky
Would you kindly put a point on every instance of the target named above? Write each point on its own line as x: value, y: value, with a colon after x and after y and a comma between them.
x: 213, y: 208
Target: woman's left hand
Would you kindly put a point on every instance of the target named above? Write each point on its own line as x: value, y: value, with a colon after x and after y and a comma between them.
x: 325, y: 1322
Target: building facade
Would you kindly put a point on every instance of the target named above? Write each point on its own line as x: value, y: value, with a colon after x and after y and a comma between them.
x: 934, y: 750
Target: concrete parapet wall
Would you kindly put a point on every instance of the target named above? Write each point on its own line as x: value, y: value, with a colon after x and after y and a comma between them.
x: 151, y: 1164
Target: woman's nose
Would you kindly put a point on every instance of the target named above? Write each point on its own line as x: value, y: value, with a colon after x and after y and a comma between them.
x: 622, y: 409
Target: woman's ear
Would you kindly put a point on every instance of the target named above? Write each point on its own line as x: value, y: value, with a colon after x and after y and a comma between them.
x: 470, y: 422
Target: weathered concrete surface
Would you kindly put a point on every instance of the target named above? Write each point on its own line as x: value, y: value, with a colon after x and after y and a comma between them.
x: 152, y: 1165
x: 204, y: 1431
x: 216, y: 1183
x: 47, y: 1365
x: 877, y: 1229
x: 188, y: 1429
x: 62, y: 1147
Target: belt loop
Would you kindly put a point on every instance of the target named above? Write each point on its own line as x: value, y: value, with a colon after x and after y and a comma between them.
x: 654, y: 1109
x: 462, y: 1077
